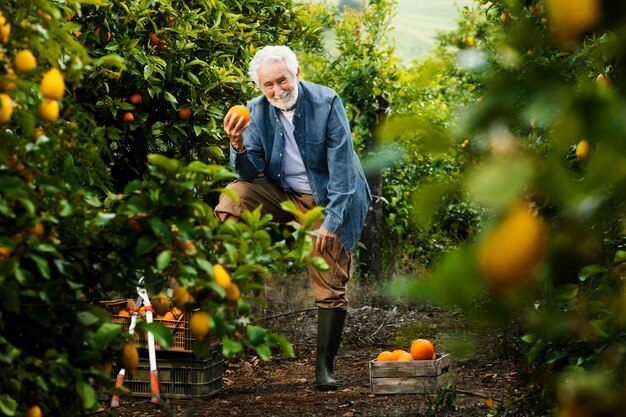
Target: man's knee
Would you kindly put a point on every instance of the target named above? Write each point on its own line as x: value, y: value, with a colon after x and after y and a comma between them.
x: 227, y: 208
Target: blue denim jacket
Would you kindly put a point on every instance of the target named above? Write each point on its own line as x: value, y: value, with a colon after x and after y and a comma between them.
x: 323, y: 136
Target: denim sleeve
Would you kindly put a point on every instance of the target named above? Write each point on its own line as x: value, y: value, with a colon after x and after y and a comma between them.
x: 249, y: 162
x: 342, y: 169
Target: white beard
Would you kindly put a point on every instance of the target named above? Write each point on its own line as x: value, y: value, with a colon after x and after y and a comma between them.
x: 288, y: 101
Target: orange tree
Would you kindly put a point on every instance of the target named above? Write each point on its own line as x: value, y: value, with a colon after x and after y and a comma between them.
x: 93, y: 199
x: 544, y: 145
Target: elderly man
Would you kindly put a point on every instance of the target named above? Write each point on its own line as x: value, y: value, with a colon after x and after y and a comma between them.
x: 298, y: 147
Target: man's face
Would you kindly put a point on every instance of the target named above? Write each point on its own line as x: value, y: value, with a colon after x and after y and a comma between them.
x: 278, y: 84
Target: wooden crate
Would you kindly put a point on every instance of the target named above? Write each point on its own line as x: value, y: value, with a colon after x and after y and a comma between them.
x: 409, y: 377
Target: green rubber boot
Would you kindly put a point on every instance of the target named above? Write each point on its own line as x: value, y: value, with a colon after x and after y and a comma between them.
x: 329, y: 329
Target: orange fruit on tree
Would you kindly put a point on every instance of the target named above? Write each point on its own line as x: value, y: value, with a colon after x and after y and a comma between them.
x: 24, y: 61
x: 38, y: 229
x: 154, y: 39
x: 422, y: 349
x: 34, y: 411
x: 6, y: 108
x: 199, y: 324
x: 49, y: 110
x: 184, y: 114
x: 222, y: 278
x: 385, y: 356
x: 5, y: 31
x: 4, y: 252
x: 129, y: 358
x: 171, y: 20
x: 161, y: 44
x: 105, y: 37
x: 241, y: 111
x: 128, y: 117
x: 136, y: 98
x: 52, y: 84
x: 8, y: 84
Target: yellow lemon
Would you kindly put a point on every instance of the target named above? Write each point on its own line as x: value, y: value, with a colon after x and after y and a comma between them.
x: 49, y: 110
x: 603, y: 80
x: 509, y: 254
x: 469, y: 41
x: 6, y: 108
x: 129, y: 359
x: 161, y: 304
x: 34, y: 411
x: 24, y: 61
x: 52, y: 84
x: 181, y: 297
x: 221, y: 276
x: 199, y: 324
x: 9, y: 84
x: 570, y: 18
x: 5, y: 32
x: 582, y: 150
x: 232, y: 292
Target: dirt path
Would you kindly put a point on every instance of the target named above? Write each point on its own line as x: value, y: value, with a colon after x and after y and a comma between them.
x: 284, y: 387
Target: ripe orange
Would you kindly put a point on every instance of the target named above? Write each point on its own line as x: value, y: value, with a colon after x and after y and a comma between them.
x: 184, y: 114
x: 169, y: 316
x: 77, y: 35
x: 4, y: 252
x: 422, y: 349
x: 171, y: 20
x: 385, y: 356
x: 128, y: 117
x: 397, y: 353
x: 404, y: 356
x: 161, y: 45
x: 136, y: 98
x: 154, y: 39
x: 123, y: 313
x: 241, y: 111
x: 9, y: 85
x: 38, y: 229
x: 34, y: 411
x: 105, y: 37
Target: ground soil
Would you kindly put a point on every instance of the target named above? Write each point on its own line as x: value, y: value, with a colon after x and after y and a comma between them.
x: 483, y: 380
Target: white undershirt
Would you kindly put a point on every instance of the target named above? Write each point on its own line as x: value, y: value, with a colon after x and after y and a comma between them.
x: 293, y: 167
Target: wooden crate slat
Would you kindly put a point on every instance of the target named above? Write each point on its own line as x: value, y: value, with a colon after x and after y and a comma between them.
x: 421, y: 385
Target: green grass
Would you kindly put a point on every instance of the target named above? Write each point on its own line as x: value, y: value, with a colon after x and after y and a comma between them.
x: 416, y: 24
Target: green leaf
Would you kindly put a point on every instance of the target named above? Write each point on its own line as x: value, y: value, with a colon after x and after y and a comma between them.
x: 284, y: 344
x: 319, y: 264
x: 590, y: 271
x: 169, y: 97
x: 102, y: 219
x: 264, y: 352
x: 164, y: 162
x: 106, y: 333
x: 87, y: 318
x: 164, y: 259
x: 230, y: 347
x: 87, y: 394
x: 256, y: 334
x: 8, y: 405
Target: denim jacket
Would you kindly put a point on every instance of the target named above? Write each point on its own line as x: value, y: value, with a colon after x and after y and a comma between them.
x: 323, y: 136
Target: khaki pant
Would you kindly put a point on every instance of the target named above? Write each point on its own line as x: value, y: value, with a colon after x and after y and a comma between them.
x: 329, y: 288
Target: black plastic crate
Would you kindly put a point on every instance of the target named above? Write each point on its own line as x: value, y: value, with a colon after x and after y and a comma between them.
x: 181, y: 374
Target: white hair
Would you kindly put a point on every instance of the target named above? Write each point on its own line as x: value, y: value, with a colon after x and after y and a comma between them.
x: 272, y: 53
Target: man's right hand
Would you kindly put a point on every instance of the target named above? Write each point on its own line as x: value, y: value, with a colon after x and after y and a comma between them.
x: 234, y: 125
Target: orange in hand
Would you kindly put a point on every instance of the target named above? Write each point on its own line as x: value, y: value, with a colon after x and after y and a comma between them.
x: 241, y: 111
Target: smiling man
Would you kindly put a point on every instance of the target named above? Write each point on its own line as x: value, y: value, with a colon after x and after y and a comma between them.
x: 298, y: 147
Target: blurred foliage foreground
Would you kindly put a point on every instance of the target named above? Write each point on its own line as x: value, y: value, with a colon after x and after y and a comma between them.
x: 544, y: 146
x: 106, y: 110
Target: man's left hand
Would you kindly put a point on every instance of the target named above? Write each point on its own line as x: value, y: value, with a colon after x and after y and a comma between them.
x: 325, y: 241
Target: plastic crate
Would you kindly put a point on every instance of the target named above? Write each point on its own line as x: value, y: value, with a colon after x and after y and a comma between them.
x: 182, y: 340
x: 181, y: 375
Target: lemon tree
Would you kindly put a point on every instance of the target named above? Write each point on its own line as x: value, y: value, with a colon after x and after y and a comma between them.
x: 90, y: 203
